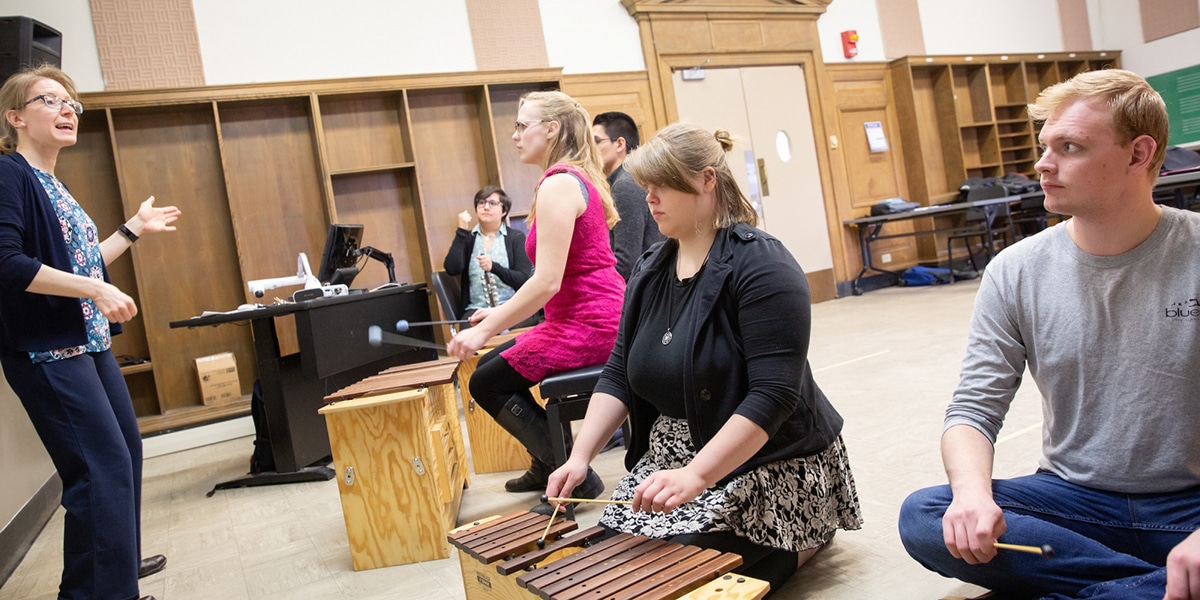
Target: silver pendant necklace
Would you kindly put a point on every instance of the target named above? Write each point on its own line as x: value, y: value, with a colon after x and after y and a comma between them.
x: 672, y: 283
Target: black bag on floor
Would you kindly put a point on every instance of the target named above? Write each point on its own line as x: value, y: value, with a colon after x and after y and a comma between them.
x: 262, y: 460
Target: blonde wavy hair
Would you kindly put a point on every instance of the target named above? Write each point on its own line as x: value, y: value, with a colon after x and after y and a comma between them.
x: 16, y: 91
x: 1136, y: 108
x: 677, y: 154
x: 572, y: 145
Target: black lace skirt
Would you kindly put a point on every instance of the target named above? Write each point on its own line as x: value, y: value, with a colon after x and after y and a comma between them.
x: 793, y: 505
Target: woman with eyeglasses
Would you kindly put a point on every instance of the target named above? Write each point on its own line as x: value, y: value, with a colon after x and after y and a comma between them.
x: 489, y: 251
x: 60, y: 312
x: 575, y: 280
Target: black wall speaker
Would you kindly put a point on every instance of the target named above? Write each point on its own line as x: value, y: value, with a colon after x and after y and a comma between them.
x: 25, y: 42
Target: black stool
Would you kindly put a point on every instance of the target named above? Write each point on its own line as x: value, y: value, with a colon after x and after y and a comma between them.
x: 567, y: 396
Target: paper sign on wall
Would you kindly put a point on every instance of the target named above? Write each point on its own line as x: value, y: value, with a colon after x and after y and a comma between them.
x: 875, y: 138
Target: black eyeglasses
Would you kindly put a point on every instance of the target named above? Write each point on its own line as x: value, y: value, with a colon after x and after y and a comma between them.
x: 56, y: 103
x: 600, y: 139
x: 492, y: 203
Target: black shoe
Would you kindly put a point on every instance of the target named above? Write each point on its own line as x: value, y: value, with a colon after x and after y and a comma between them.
x: 147, y: 598
x: 533, y: 480
x: 152, y: 565
x: 590, y: 489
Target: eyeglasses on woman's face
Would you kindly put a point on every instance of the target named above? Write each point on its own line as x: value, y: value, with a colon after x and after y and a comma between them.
x: 56, y: 103
x: 520, y: 126
x: 492, y: 202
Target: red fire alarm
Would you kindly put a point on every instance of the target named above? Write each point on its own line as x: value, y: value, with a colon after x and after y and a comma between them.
x: 850, y: 43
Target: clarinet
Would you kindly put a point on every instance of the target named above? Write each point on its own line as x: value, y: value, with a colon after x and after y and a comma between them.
x: 489, y: 287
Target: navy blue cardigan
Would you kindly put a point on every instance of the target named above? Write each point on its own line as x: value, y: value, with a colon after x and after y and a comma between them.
x: 30, y: 236
x: 749, y: 331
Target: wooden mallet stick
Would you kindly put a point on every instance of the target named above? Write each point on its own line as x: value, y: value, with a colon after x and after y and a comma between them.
x: 587, y: 500
x: 541, y: 543
x: 1044, y: 550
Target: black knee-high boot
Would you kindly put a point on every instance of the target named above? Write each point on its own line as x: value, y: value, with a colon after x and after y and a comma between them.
x: 526, y: 421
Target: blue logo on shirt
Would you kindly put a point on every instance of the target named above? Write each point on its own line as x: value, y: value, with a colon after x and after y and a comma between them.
x: 1181, y: 310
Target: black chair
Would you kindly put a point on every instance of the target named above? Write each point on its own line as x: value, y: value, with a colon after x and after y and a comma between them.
x: 1028, y: 218
x: 449, y: 293
x: 977, y: 223
x: 567, y: 395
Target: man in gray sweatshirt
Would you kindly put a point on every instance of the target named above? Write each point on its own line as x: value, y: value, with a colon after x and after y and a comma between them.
x: 1104, y: 309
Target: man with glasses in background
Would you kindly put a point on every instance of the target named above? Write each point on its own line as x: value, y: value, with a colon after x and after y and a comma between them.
x: 616, y: 135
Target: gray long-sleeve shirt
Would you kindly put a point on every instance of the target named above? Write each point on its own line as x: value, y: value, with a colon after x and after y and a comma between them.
x: 1113, y: 344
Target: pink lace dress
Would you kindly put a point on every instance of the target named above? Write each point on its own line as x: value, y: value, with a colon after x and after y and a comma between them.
x: 582, y: 318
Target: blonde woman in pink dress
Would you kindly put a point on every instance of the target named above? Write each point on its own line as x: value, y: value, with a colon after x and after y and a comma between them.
x: 574, y: 279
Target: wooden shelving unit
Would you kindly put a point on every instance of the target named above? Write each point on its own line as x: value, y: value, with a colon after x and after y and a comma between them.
x: 966, y: 116
x: 260, y: 171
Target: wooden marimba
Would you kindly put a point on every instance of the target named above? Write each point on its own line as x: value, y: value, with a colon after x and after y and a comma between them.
x: 500, y: 560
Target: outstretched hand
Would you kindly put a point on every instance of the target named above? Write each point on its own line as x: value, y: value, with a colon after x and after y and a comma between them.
x: 155, y: 219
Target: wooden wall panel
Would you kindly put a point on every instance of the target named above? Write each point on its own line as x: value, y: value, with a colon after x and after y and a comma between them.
x: 384, y: 202
x: 626, y: 92
x: 862, y: 93
x: 448, y: 144
x: 173, y: 153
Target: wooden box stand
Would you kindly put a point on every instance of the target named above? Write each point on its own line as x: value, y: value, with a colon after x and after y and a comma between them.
x: 493, y: 450
x: 397, y: 452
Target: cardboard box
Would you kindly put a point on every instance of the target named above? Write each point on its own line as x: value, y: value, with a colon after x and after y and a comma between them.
x: 219, y: 382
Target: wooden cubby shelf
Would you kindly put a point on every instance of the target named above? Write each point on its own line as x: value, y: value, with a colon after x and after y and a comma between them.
x: 260, y: 171
x: 966, y: 116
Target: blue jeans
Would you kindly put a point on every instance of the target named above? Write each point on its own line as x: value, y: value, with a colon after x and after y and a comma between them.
x: 1106, y: 545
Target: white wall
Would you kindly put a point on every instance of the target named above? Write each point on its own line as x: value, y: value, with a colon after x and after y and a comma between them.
x: 287, y: 40
x: 859, y: 15
x: 591, y: 36
x: 1121, y: 29
x: 73, y: 19
x: 990, y: 27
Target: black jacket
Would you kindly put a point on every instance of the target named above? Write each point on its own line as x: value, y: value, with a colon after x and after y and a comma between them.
x: 31, y: 236
x: 750, y: 319
x: 458, y: 258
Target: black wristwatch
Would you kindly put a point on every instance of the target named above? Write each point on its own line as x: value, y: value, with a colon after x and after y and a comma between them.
x: 127, y: 233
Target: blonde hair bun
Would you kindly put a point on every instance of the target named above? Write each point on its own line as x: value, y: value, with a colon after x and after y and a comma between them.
x: 724, y: 139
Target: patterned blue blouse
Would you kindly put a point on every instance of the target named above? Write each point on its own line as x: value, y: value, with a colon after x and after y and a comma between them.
x: 79, y: 231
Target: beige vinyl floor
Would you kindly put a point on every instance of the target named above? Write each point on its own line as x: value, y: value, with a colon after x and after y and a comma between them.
x: 888, y: 360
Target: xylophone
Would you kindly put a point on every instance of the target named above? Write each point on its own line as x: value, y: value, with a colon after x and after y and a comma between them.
x: 621, y: 567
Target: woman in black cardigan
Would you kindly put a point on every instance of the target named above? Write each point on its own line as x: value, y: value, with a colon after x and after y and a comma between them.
x: 734, y: 447
x: 473, y: 253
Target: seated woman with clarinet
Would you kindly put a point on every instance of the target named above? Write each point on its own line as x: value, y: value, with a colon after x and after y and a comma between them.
x: 490, y: 273
x: 733, y: 445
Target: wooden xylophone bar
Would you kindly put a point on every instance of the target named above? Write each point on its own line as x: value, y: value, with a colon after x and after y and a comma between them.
x: 622, y: 567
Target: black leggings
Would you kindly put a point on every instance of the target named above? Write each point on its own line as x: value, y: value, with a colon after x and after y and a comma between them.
x: 495, y: 381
